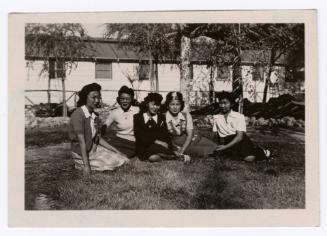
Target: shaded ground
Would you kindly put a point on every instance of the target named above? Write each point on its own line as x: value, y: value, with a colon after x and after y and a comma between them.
x: 51, y: 182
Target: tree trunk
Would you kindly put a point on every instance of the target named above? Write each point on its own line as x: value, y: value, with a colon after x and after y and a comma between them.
x: 49, y: 92
x: 64, y: 106
x: 237, y: 73
x: 151, y: 77
x: 156, y: 77
x: 185, y: 69
x: 270, y: 65
x: 237, y: 83
x: 211, y: 87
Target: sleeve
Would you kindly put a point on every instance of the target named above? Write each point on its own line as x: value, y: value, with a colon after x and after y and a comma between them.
x: 214, y: 127
x: 77, y: 122
x: 109, y: 119
x: 189, y: 121
x: 240, y: 124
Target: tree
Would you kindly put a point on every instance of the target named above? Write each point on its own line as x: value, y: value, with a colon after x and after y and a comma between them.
x: 150, y: 41
x: 218, y: 45
x: 280, y: 40
x: 58, y: 45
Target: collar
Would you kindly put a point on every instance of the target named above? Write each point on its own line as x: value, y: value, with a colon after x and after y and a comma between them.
x: 132, y: 108
x: 87, y: 113
x: 147, y: 117
x: 169, y: 117
x: 231, y: 114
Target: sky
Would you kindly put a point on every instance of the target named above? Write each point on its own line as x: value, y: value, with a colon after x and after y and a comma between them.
x: 94, y: 30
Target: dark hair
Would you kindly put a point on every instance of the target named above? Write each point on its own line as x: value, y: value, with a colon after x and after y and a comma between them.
x: 85, y: 91
x: 170, y: 96
x: 155, y: 97
x: 125, y: 89
x: 226, y: 95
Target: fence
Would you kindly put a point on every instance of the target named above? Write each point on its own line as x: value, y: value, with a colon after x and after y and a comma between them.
x: 198, y: 99
x: 32, y: 97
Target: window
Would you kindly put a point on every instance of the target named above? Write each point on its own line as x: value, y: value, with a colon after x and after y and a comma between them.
x: 103, y: 70
x: 143, y: 71
x: 56, y: 69
x: 223, y: 73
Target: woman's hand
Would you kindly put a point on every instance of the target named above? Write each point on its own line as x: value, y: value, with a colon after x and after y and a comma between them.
x: 161, y: 143
x: 221, y: 148
x: 178, y: 153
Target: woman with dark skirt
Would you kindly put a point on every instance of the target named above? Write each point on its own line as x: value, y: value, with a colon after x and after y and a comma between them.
x: 151, y: 135
x: 231, y: 129
x: 121, y: 121
x: 89, y: 150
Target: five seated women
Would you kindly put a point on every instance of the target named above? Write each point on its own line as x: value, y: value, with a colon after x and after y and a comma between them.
x: 151, y: 135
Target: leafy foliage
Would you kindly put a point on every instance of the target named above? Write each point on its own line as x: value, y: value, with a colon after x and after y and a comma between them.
x: 151, y: 40
x: 60, y: 42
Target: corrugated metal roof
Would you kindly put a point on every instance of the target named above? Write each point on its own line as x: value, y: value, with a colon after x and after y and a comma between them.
x: 112, y: 50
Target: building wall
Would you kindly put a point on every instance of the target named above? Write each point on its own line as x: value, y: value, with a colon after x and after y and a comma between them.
x: 252, y: 89
x: 168, y: 74
x: 85, y: 74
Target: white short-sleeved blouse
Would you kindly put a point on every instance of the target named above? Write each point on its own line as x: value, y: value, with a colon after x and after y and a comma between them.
x: 235, y: 122
x: 123, y: 122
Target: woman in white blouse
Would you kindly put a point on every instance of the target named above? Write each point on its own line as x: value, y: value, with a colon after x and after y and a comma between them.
x: 180, y: 126
x: 121, y: 121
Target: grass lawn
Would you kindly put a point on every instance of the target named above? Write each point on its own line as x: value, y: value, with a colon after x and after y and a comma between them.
x: 51, y: 182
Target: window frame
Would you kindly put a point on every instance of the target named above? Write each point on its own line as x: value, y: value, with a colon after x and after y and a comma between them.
x: 97, y: 70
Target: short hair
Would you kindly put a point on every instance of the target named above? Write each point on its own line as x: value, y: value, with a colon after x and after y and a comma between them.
x: 155, y: 97
x: 85, y: 91
x: 174, y: 96
x: 226, y: 95
x: 127, y: 90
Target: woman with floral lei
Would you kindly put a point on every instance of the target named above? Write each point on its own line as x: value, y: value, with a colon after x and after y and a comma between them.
x: 181, y: 129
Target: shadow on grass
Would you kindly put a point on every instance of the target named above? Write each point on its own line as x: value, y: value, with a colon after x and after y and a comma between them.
x: 216, y: 192
x: 42, y: 178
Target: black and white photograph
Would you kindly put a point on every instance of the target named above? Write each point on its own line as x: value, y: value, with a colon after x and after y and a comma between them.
x: 165, y: 115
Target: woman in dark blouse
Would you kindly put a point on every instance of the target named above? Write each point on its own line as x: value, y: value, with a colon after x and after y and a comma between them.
x: 89, y: 150
x: 152, y: 139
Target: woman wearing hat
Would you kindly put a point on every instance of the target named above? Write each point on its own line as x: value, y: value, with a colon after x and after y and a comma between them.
x: 180, y: 126
x: 89, y: 150
x: 150, y: 129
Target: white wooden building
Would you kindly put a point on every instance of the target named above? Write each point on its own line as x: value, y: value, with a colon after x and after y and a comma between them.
x: 112, y: 67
